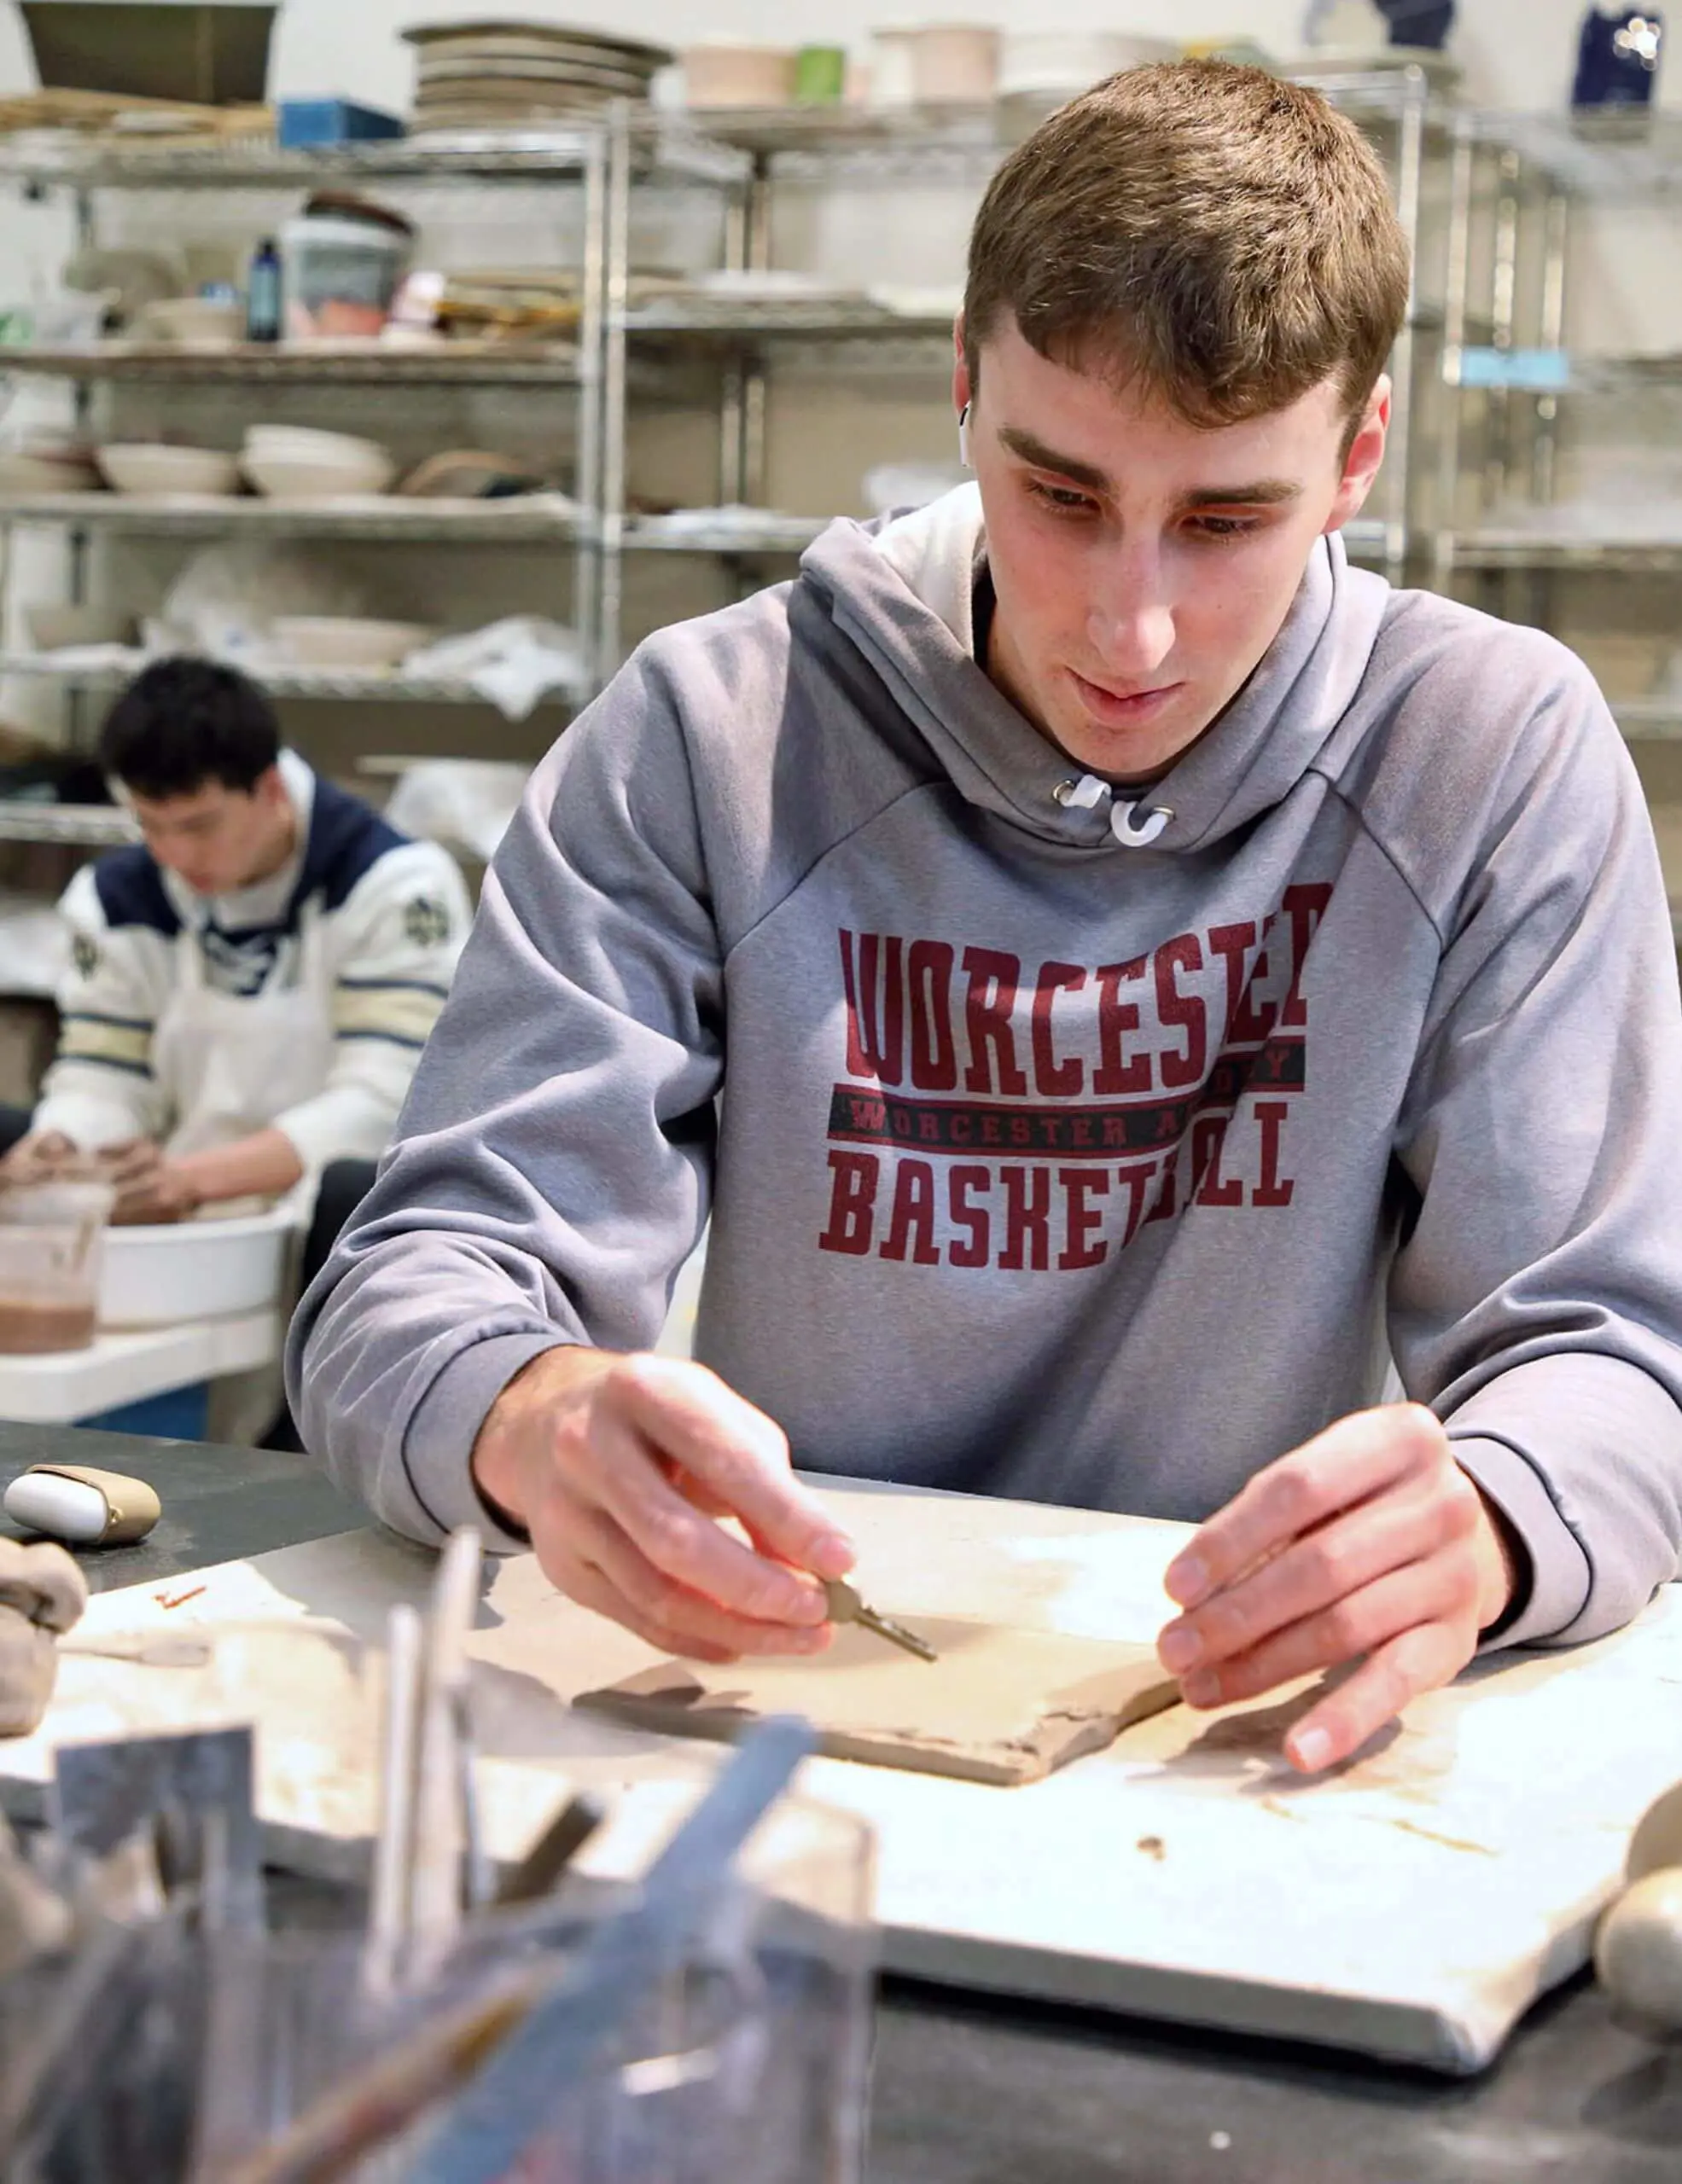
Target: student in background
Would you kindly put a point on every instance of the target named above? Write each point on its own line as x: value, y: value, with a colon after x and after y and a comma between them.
x: 250, y: 986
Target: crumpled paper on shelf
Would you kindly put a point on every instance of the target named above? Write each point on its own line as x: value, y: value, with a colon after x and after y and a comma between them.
x: 226, y: 599
x: 34, y: 945
x: 513, y: 664
x: 42, y: 1594
x: 466, y: 803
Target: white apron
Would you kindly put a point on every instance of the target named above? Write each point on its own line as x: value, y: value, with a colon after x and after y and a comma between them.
x: 229, y: 1063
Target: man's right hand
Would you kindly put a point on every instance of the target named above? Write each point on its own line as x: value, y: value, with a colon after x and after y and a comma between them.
x: 36, y: 1157
x: 619, y: 1466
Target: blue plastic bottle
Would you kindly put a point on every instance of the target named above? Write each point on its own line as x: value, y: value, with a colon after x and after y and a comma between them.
x: 263, y: 304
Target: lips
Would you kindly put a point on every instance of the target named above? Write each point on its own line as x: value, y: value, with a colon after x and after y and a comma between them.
x: 1120, y: 706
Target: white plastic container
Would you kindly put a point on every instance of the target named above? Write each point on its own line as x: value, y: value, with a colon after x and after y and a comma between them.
x: 193, y: 1270
x: 892, y: 84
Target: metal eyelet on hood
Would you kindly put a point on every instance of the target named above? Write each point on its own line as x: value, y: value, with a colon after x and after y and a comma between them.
x: 1085, y: 792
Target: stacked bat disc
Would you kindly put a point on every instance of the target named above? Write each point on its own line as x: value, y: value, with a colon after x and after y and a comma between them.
x: 523, y: 76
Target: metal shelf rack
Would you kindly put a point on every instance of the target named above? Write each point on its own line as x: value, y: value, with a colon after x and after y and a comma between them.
x: 340, y: 685
x: 455, y: 364
x: 75, y: 826
x: 531, y: 518
x: 584, y: 158
x: 660, y: 148
x: 1527, y: 175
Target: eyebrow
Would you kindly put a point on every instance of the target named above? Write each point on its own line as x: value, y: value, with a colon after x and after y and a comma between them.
x: 1259, y: 492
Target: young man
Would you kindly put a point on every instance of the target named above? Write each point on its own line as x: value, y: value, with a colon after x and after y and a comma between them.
x: 1156, y: 976
x: 252, y: 984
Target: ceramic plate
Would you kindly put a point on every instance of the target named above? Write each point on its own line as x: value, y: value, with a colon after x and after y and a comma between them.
x: 584, y: 45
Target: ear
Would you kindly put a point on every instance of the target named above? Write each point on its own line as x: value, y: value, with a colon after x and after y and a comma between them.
x: 270, y: 789
x: 1366, y: 452
x: 961, y: 389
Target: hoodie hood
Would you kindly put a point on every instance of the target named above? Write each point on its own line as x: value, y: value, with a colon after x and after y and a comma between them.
x: 903, y: 594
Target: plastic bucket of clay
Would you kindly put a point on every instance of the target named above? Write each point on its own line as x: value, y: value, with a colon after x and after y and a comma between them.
x: 342, y: 274
x: 52, y: 1238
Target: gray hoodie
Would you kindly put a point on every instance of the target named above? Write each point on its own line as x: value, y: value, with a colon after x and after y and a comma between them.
x: 1055, y: 1147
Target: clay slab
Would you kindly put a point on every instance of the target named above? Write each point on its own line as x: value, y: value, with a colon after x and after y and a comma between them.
x: 998, y: 1705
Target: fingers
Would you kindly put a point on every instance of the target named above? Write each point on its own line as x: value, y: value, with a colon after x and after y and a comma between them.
x: 1352, y: 1461
x: 690, y: 1549
x: 622, y: 1475
x: 1435, y: 1592
x: 737, y: 1456
x: 651, y: 1602
x: 129, y: 1162
x: 591, y: 1589
x: 1325, y: 1572
x: 1416, y: 1661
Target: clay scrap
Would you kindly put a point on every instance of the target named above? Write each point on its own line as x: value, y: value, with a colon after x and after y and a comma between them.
x: 42, y: 1594
x: 998, y: 1705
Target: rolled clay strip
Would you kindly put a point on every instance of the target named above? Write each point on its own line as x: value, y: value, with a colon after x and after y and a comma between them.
x: 41, y: 1594
x: 1638, y: 1952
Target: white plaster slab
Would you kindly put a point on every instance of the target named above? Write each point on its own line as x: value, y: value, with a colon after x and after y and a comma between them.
x: 1412, y: 1905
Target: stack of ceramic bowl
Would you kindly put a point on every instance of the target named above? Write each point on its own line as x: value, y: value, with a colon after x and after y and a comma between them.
x: 155, y: 471
x: 495, y: 77
x: 295, y: 463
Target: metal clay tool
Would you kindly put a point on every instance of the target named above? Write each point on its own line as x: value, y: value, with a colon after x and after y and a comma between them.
x: 845, y: 1606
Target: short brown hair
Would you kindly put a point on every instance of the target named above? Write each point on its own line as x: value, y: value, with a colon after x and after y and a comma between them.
x: 1225, y: 236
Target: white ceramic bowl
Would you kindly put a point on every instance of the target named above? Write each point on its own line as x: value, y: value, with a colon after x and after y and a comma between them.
x: 348, y: 640
x: 305, y: 478
x: 142, y: 467
x: 305, y: 440
x: 193, y: 1270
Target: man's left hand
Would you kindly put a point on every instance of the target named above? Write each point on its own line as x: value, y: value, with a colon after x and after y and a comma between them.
x: 1368, y: 1542
x: 151, y: 1188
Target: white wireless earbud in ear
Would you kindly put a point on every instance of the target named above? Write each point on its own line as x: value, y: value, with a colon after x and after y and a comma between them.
x: 963, y: 438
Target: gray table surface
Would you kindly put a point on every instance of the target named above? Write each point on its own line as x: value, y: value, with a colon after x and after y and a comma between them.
x: 975, y: 2090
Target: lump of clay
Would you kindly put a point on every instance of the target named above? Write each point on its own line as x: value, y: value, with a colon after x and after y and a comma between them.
x: 41, y: 1594
x: 1657, y: 1842
x: 1638, y: 1952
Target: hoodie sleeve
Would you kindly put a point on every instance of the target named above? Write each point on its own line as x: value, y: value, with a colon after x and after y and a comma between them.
x: 100, y: 1089
x: 574, y: 1067
x: 1537, y: 1301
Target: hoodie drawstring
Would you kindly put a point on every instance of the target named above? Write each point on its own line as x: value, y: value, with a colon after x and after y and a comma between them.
x: 1134, y: 825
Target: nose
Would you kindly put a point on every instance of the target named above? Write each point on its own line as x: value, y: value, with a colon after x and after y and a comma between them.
x: 1130, y: 621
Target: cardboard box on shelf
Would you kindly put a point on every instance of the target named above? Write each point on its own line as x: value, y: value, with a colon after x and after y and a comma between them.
x: 208, y: 52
